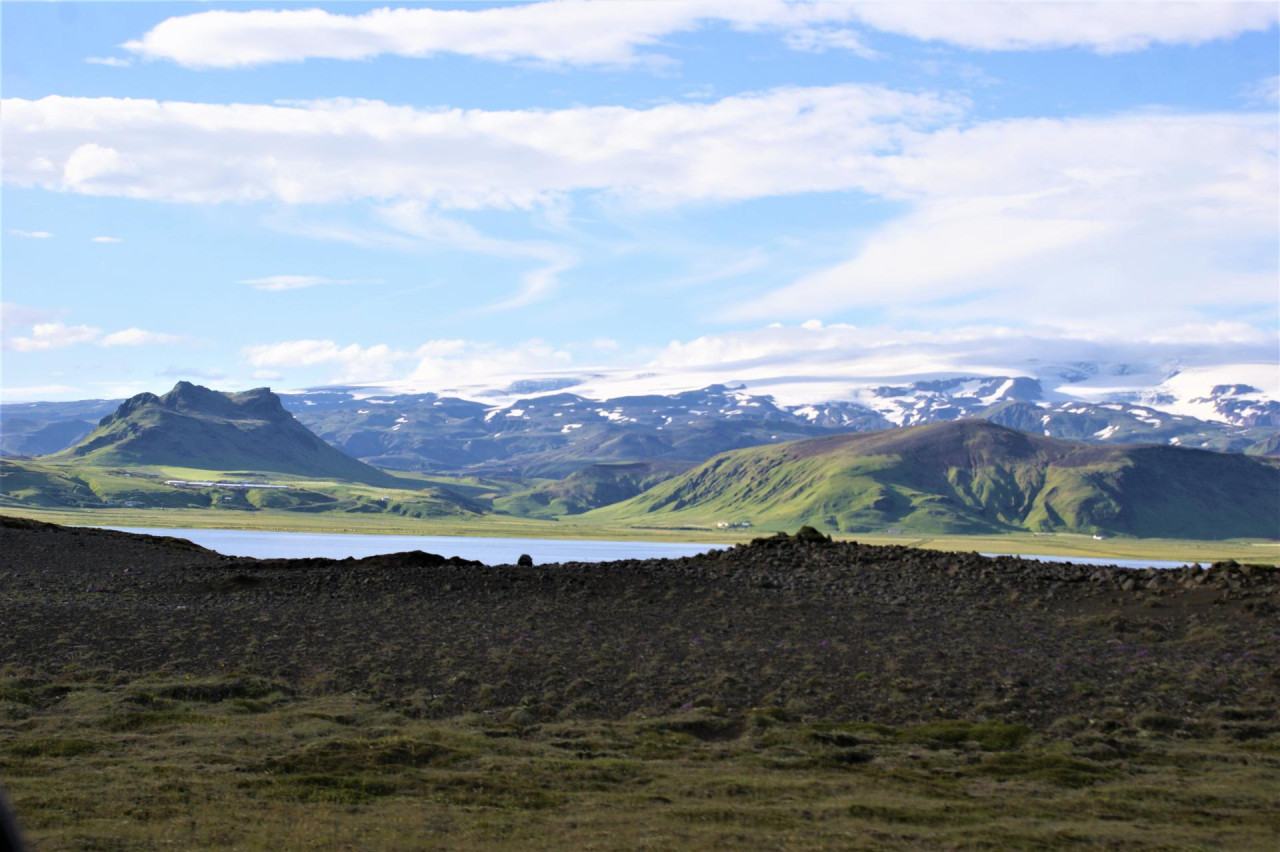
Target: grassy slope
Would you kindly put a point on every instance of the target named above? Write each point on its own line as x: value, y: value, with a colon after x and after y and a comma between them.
x: 969, y: 477
x: 588, y: 488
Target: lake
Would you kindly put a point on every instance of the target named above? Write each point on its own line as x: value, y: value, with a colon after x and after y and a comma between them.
x: 268, y: 544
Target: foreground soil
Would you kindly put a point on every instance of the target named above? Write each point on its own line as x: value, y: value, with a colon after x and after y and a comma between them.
x: 408, y: 701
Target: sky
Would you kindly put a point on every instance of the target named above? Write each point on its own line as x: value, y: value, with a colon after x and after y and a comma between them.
x: 451, y: 196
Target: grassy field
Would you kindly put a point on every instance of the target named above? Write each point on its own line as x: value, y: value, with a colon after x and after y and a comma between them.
x: 165, y: 762
x: 1064, y: 545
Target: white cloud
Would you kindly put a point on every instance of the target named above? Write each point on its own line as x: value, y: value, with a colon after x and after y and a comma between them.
x: 92, y: 165
x: 58, y: 335
x: 354, y: 363
x: 31, y: 235
x: 139, y: 337
x: 461, y: 365
x: 109, y: 61
x: 570, y: 32
x: 781, y: 141
x: 575, y: 32
x: 54, y: 335
x: 445, y: 363
x: 1104, y: 27
x: 106, y: 240
x: 1076, y: 222
x: 277, y: 283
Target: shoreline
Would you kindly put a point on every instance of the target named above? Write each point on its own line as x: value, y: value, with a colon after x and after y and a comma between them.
x: 1065, y: 546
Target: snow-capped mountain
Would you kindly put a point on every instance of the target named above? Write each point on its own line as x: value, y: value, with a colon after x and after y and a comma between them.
x: 557, y: 431
x: 552, y: 425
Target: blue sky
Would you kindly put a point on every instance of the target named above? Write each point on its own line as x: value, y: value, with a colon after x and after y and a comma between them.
x: 448, y: 196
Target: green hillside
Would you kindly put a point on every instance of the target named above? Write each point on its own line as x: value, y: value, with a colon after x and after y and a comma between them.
x: 194, y: 427
x: 588, y: 488
x: 969, y: 476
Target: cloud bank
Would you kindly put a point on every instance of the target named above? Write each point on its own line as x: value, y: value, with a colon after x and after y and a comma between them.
x: 780, y: 141
x: 1075, y: 221
x: 628, y: 33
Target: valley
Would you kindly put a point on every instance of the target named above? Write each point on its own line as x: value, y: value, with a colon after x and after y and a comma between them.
x: 966, y: 484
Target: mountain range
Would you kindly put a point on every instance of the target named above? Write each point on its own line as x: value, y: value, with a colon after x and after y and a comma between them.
x: 541, y: 430
x: 965, y: 475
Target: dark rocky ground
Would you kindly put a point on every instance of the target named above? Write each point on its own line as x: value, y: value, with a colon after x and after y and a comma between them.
x: 805, y: 628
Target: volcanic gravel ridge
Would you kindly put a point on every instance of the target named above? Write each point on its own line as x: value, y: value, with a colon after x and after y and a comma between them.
x: 797, y: 624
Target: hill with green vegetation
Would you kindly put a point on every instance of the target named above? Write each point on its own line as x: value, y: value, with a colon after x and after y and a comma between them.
x: 969, y: 476
x: 200, y: 449
x: 588, y: 488
x: 195, y: 427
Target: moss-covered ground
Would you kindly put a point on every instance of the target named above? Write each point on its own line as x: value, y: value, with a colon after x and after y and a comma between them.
x: 93, y: 761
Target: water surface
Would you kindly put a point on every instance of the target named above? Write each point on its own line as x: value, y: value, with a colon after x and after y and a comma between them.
x: 270, y: 544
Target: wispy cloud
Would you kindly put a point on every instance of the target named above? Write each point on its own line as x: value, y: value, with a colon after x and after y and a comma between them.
x: 139, y: 337
x: 53, y: 335
x: 106, y: 240
x: 57, y: 335
x: 109, y: 61
x: 1072, y: 223
x: 13, y: 315
x: 415, y: 219
x: 191, y: 373
x: 1265, y: 92
x: 31, y: 235
x: 277, y: 283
